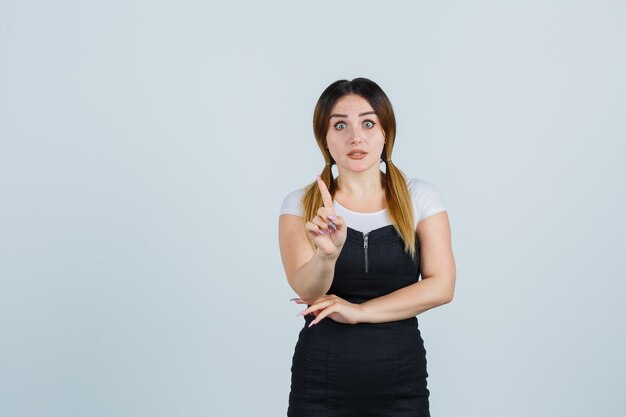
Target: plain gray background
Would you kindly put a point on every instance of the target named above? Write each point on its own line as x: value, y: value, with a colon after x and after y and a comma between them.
x: 146, y: 148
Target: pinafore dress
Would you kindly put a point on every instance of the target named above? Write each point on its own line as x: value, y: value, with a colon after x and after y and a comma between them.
x: 365, y: 369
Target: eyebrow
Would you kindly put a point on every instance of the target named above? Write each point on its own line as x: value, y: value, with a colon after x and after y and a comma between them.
x: 345, y: 115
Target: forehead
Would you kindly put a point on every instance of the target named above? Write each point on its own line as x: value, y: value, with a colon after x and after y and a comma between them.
x: 351, y: 104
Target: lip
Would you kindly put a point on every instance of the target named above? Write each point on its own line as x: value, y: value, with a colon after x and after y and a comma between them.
x: 361, y: 154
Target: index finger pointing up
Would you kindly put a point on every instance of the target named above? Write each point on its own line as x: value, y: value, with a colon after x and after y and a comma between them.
x: 326, y: 197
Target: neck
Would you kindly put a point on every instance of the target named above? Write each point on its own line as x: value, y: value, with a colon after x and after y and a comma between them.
x: 363, y: 183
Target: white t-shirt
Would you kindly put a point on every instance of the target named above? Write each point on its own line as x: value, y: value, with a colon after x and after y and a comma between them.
x: 427, y: 200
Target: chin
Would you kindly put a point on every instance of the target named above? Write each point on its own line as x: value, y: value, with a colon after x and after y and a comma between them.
x: 358, y: 166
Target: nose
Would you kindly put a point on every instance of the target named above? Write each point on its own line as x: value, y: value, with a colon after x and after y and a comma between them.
x: 355, y: 136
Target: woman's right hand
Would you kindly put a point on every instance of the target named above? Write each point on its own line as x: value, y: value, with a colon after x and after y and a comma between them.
x: 328, y: 239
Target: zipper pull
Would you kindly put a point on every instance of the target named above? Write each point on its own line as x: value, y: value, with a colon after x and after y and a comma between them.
x: 365, y: 245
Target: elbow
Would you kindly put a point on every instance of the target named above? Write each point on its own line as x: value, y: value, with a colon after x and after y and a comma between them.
x: 447, y: 295
x: 443, y: 299
x: 448, y: 289
x: 306, y: 294
x: 309, y: 298
x: 442, y: 287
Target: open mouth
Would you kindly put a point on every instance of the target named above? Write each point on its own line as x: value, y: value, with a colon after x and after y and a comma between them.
x: 357, y: 155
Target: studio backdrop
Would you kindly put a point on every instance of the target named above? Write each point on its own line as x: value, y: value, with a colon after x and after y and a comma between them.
x: 145, y: 148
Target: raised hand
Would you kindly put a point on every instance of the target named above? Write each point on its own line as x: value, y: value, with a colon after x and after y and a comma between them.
x: 327, y: 230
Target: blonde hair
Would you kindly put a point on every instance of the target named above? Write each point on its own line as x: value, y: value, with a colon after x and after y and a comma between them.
x: 399, y: 204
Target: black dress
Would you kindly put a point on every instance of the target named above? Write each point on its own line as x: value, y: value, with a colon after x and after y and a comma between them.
x: 365, y: 369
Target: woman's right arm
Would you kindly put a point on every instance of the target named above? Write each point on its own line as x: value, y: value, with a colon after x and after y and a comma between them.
x: 310, y: 272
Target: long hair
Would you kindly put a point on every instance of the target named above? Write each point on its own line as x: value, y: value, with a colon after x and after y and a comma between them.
x: 397, y: 194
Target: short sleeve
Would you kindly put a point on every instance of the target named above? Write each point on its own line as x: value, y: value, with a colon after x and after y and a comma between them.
x: 291, y: 203
x: 427, y: 200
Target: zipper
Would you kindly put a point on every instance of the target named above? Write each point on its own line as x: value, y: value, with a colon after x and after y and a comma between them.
x: 365, y: 244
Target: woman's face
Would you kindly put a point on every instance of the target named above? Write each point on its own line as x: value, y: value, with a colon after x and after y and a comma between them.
x: 355, y: 139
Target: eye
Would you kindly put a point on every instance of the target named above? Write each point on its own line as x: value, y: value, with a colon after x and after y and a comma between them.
x: 368, y: 124
x: 340, y: 125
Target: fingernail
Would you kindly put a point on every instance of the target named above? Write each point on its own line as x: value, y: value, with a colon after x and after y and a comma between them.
x: 332, y: 217
x: 321, y: 232
x: 294, y: 299
x: 301, y: 313
x: 312, y: 323
x: 333, y: 225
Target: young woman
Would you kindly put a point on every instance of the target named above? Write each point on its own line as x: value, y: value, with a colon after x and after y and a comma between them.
x: 353, y: 248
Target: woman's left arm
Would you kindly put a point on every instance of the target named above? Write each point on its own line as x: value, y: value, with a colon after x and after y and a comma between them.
x: 438, y: 277
x: 434, y: 289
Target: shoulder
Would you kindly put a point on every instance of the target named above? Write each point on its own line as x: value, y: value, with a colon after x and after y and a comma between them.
x: 292, y: 203
x: 420, y: 187
x: 427, y: 199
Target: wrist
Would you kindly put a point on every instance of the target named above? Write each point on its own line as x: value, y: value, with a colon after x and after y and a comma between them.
x: 324, y: 257
x: 363, y: 313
